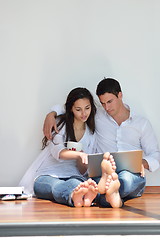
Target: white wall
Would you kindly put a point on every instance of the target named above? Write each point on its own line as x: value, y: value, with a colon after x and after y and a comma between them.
x: 48, y: 47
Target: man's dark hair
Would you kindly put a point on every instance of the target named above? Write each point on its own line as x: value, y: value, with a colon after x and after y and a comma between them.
x: 108, y: 85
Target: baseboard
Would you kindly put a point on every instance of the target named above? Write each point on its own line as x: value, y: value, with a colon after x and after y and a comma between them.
x: 152, y: 189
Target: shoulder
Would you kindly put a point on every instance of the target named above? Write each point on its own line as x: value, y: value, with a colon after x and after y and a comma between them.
x: 134, y: 115
x: 140, y: 120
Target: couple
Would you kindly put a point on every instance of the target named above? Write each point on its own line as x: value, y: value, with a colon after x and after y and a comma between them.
x: 59, y: 174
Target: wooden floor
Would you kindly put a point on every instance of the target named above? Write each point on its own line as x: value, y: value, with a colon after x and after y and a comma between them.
x: 44, y: 218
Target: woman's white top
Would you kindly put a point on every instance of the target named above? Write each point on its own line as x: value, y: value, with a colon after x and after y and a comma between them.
x: 48, y: 162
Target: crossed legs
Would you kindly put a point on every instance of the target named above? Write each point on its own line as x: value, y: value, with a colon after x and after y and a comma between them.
x: 47, y: 187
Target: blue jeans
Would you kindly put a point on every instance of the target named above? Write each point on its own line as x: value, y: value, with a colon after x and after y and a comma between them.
x: 58, y: 189
x: 132, y: 186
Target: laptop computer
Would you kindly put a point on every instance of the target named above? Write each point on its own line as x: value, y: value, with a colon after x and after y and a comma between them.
x: 126, y: 160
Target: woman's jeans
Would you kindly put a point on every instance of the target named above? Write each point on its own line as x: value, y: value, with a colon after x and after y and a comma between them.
x: 132, y: 185
x: 58, y: 189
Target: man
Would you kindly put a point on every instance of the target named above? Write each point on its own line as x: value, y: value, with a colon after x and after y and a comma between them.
x: 119, y: 129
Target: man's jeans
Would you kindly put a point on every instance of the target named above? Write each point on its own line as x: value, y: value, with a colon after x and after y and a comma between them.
x: 51, y: 188
x: 132, y: 186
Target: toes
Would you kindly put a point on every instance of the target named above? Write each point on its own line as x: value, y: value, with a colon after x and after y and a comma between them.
x: 92, y: 182
x: 109, y: 179
x: 111, y: 158
x: 106, y: 155
x: 86, y: 184
x: 114, y: 176
x: 89, y: 180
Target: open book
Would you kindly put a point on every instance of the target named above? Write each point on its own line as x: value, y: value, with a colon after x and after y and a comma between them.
x: 126, y: 160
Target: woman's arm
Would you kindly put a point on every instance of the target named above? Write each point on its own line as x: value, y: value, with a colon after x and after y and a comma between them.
x: 75, y: 155
x: 82, y: 159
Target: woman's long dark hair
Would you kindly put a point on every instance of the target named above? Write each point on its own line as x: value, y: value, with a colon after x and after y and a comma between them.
x: 67, y: 118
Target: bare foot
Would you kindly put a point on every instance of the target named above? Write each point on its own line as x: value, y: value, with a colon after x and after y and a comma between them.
x: 91, y: 194
x: 78, y: 194
x: 108, y: 167
x: 112, y: 193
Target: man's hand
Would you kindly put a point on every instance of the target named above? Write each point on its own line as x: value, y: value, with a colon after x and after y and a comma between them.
x: 145, y: 164
x: 142, y: 171
x: 49, y: 123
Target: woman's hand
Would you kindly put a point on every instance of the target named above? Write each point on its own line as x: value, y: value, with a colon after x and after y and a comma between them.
x: 82, y: 163
x: 83, y: 157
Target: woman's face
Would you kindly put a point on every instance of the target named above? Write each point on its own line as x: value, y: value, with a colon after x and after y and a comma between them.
x: 81, y: 109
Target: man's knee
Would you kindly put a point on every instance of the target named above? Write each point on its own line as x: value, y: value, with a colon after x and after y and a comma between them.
x: 130, y: 183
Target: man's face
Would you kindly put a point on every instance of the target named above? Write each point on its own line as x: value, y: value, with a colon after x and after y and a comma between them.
x: 111, y: 103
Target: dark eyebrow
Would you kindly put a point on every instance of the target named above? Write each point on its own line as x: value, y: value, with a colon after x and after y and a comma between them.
x: 106, y: 102
x: 89, y: 105
x: 102, y: 102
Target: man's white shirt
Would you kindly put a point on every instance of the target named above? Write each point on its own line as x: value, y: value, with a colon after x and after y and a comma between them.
x: 133, y: 134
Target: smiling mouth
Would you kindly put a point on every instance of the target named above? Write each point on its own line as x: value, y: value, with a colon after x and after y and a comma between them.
x: 84, y: 118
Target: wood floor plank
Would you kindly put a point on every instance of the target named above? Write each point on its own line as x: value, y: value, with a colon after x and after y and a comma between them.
x: 146, y: 208
x: 35, y: 217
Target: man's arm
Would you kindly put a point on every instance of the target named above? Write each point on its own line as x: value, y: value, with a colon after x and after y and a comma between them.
x: 49, y: 123
x: 150, y: 148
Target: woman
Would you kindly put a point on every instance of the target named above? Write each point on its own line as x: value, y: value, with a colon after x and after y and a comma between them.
x: 54, y: 175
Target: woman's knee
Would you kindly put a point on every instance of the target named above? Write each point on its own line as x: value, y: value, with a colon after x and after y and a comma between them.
x: 43, y: 187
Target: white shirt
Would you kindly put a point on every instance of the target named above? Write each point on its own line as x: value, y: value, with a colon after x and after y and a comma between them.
x: 48, y: 162
x: 133, y: 134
